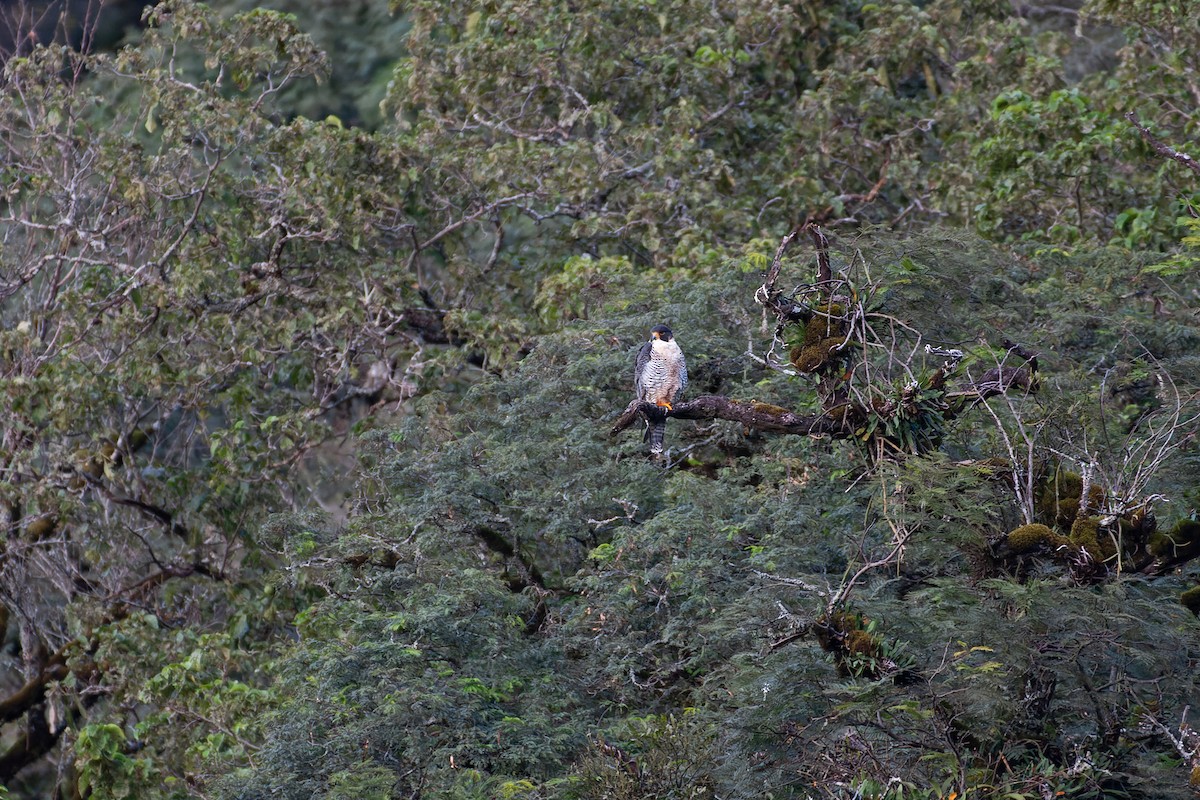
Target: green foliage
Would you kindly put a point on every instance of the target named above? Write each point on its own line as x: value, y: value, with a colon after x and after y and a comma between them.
x: 436, y: 687
x: 361, y: 38
x: 1191, y: 600
x: 178, y: 270
x: 656, y: 756
x: 215, y: 236
x: 1186, y: 258
x: 105, y: 771
x: 1045, y: 155
x: 566, y: 619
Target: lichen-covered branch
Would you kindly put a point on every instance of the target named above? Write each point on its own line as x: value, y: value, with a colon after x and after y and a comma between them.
x: 1161, y: 147
x: 840, y: 422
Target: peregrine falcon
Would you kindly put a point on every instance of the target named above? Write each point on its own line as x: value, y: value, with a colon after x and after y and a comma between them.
x: 659, y: 377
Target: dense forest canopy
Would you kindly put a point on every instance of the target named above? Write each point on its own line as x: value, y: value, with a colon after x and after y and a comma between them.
x: 319, y: 468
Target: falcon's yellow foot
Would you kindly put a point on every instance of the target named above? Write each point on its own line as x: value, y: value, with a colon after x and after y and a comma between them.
x: 664, y: 404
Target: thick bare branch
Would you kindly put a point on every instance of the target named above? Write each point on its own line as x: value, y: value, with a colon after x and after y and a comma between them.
x: 34, y: 690
x: 752, y: 414
x: 30, y: 744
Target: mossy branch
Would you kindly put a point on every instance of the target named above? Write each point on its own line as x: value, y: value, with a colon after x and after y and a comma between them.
x: 34, y: 690
x: 838, y: 423
x: 752, y: 414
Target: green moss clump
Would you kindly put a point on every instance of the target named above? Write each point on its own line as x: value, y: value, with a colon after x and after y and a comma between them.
x: 1032, y: 537
x: 812, y: 357
x: 1067, y: 484
x: 824, y: 335
x: 862, y: 643
x: 767, y: 408
x: 1191, y: 600
x: 1085, y: 533
x: 826, y: 323
x: 830, y: 346
x: 1068, y: 510
x: 855, y: 650
x: 833, y: 632
x: 1058, y: 498
x: 807, y: 358
x: 1057, y: 501
x: 1027, y: 537
x: 41, y: 528
x: 834, y: 627
x: 1181, y: 543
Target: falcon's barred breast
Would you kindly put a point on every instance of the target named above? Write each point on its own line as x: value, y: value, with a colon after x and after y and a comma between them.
x: 659, y: 377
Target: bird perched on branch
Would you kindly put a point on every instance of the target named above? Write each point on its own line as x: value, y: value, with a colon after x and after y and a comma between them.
x: 659, y: 377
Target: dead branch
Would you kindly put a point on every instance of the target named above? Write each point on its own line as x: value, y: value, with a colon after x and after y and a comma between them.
x: 821, y: 242
x: 772, y: 297
x: 788, y: 309
x: 836, y: 423
x: 996, y: 381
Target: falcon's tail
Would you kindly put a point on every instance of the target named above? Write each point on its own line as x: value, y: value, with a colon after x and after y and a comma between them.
x: 656, y: 430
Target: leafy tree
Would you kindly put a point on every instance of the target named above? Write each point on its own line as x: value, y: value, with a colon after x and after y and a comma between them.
x: 193, y: 286
x: 201, y: 282
x: 798, y: 618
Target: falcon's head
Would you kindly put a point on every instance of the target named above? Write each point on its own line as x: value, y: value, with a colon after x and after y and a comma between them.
x: 661, y: 332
